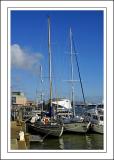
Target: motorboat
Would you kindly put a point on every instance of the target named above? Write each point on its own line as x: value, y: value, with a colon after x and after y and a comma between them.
x: 96, y: 117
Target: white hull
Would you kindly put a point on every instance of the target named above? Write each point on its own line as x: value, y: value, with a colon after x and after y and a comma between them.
x: 79, y: 127
x: 96, y: 116
x: 97, y: 128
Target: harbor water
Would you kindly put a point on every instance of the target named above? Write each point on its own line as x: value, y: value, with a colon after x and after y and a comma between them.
x: 71, y: 141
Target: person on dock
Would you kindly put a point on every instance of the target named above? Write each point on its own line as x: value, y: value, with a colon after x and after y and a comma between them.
x: 21, y: 136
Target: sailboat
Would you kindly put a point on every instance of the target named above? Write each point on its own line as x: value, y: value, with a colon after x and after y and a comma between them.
x: 47, y: 125
x: 74, y: 124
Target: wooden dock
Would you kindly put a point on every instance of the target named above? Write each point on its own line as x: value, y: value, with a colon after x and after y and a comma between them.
x: 16, y: 127
x: 16, y: 144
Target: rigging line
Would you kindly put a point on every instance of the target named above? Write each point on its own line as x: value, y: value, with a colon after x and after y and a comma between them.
x: 79, y: 72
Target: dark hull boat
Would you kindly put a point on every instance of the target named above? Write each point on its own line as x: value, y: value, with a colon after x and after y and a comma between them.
x: 51, y: 129
x: 47, y: 125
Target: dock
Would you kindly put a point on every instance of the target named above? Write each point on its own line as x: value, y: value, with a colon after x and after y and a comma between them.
x: 16, y: 144
x: 16, y: 127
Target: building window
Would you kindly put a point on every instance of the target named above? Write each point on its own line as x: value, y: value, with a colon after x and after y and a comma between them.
x: 13, y: 100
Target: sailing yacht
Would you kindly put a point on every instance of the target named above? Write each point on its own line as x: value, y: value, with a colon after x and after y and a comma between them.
x: 75, y: 123
x: 96, y: 117
x: 47, y: 125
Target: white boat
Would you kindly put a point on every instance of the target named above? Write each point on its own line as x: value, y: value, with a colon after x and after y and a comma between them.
x: 98, y: 128
x: 71, y: 124
x: 96, y: 117
x: 75, y: 123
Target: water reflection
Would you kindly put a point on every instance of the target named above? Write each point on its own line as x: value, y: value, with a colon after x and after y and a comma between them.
x: 89, y: 141
x: 71, y: 142
x: 61, y: 142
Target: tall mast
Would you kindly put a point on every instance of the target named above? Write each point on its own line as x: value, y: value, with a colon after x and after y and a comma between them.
x: 71, y: 53
x: 49, y: 50
x: 72, y: 71
x: 41, y: 89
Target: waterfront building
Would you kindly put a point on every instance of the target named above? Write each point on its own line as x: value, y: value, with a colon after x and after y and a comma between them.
x: 18, y: 99
x: 30, y: 103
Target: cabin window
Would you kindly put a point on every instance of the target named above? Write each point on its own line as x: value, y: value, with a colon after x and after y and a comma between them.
x: 101, y: 118
x: 89, y: 114
x: 95, y: 117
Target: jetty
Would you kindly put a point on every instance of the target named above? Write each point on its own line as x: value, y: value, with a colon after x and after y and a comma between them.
x: 16, y: 142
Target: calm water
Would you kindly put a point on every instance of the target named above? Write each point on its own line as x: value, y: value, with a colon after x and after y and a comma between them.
x: 71, y: 141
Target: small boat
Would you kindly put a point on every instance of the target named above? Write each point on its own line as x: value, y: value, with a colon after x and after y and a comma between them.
x: 47, y: 125
x: 95, y: 116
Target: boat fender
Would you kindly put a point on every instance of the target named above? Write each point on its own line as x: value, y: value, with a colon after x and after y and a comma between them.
x: 45, y: 120
x: 89, y: 124
x: 42, y: 120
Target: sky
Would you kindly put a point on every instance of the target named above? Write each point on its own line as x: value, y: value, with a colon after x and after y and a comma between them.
x: 29, y: 51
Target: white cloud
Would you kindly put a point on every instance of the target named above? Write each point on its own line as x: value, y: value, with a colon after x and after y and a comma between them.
x: 23, y: 60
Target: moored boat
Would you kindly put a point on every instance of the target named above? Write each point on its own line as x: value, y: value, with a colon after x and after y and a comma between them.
x: 75, y: 123
x: 95, y: 116
x: 46, y: 128
x: 47, y: 125
x: 77, y: 127
x: 97, y: 128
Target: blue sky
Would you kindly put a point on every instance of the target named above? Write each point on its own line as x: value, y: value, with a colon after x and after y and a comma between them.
x: 29, y: 50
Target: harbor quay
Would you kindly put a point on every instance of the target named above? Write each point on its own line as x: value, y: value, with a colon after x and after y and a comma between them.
x: 21, y: 110
x: 20, y: 139
x: 16, y: 143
